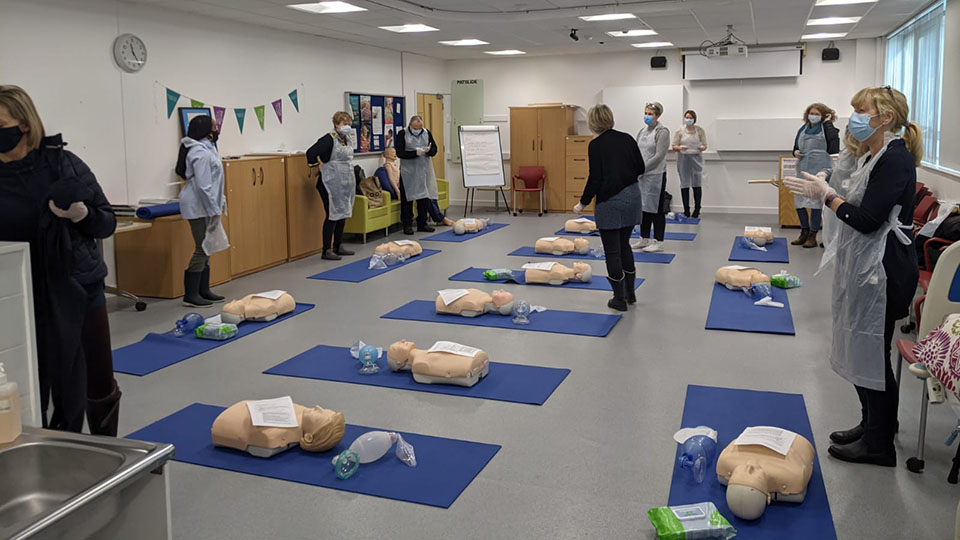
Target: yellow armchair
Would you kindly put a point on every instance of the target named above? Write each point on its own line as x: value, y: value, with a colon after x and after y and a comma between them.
x: 366, y: 220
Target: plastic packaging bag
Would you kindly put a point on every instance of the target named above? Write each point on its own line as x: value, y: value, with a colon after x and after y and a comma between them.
x: 380, y: 261
x: 690, y: 522
x: 498, y: 274
x: 750, y: 244
x: 218, y: 332
x: 370, y: 447
x: 597, y: 252
x: 784, y: 280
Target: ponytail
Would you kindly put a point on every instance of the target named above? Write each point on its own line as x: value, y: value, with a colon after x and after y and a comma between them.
x: 913, y: 138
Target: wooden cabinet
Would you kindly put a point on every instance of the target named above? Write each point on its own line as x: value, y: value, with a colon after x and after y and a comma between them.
x: 537, y: 137
x: 257, y: 206
x: 577, y: 169
x: 305, y: 212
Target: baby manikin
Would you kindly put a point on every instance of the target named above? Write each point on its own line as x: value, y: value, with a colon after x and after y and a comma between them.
x: 474, y: 302
x: 756, y: 475
x: 444, y: 363
x: 760, y: 236
x: 554, y: 245
x: 407, y: 248
x: 580, y: 226
x: 263, y: 307
x: 318, y: 430
x: 468, y: 225
x: 554, y: 273
x: 740, y: 277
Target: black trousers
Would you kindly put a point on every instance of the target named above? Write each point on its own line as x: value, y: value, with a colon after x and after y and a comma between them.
x: 199, y: 259
x: 685, y: 195
x: 659, y: 219
x: 616, y: 249
x: 332, y: 230
x: 879, y: 407
x: 406, y: 209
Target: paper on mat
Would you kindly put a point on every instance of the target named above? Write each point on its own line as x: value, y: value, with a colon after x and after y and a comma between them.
x: 777, y: 439
x: 404, y: 242
x: 550, y: 238
x: 469, y: 221
x: 758, y: 229
x: 273, y: 295
x: 452, y: 295
x: 539, y: 266
x: 277, y: 412
x: 454, y: 348
x: 737, y: 267
x: 583, y: 220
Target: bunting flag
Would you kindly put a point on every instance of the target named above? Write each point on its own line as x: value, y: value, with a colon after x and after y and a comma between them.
x: 278, y: 108
x: 295, y: 100
x: 196, y: 104
x: 218, y: 113
x: 172, y: 98
x: 259, y: 110
x: 241, y: 114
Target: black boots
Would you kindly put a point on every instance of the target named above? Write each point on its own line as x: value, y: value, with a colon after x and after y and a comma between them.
x: 204, y: 290
x: 619, y: 300
x: 629, y: 282
x: 804, y: 234
x: 859, y: 452
x: 191, y: 290
x: 329, y: 255
x: 340, y: 250
x: 425, y: 228
x: 103, y: 415
x: 407, y: 229
x: 847, y: 436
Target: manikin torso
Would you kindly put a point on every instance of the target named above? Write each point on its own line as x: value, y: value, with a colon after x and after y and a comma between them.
x: 257, y: 308
x: 437, y: 367
x: 318, y: 430
x: 477, y: 302
x: 553, y: 245
x: 760, y: 235
x: 738, y: 277
x: 560, y: 274
x: 467, y: 225
x: 580, y: 225
x: 409, y: 248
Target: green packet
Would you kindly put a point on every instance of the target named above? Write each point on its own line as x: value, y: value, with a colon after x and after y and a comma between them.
x: 701, y: 521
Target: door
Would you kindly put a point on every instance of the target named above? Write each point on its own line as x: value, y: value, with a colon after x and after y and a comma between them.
x: 272, y: 200
x: 241, y: 178
x: 430, y: 108
x: 554, y: 128
x: 305, y: 213
x: 524, y: 147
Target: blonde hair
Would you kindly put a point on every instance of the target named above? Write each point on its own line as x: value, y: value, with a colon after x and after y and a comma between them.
x: 856, y: 147
x: 656, y: 106
x: 18, y: 103
x: 600, y: 118
x: 340, y: 117
x: 824, y: 110
x: 885, y: 99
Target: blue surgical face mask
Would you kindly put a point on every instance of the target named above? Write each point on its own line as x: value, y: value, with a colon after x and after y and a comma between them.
x: 859, y: 126
x: 344, y: 130
x: 648, y: 119
x: 689, y: 121
x: 416, y: 132
x: 814, y: 119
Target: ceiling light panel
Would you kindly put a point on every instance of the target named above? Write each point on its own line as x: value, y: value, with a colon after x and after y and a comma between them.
x: 507, y: 52
x: 608, y: 17
x: 463, y: 43
x: 833, y: 20
x: 653, y: 44
x: 326, y: 8
x: 824, y: 35
x: 843, y: 2
x: 408, y: 28
x: 632, y: 33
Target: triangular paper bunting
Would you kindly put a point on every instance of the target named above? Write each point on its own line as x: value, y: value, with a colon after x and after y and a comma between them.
x: 195, y: 104
x: 241, y: 114
x: 259, y: 110
x: 278, y: 108
x: 295, y: 100
x: 172, y: 98
x: 218, y: 113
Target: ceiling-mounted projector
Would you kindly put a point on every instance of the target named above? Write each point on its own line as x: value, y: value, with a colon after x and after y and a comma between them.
x: 725, y: 51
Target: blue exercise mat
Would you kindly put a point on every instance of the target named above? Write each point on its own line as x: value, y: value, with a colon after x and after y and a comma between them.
x: 160, y: 210
x: 776, y: 252
x: 445, y: 467
x: 358, y: 271
x: 734, y: 310
x: 556, y: 321
x: 730, y: 411
x: 475, y: 275
x: 638, y: 256
x: 157, y: 351
x: 505, y: 382
x: 449, y: 236
x: 684, y: 236
x: 678, y: 220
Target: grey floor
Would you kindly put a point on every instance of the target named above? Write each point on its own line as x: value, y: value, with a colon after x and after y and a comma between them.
x: 588, y: 463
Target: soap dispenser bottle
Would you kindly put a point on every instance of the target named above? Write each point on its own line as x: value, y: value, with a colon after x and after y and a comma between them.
x: 10, y: 427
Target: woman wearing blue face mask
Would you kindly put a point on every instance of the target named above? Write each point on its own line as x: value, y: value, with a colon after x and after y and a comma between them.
x: 813, y: 145
x: 654, y: 143
x: 415, y: 148
x: 876, y: 267
x: 690, y: 141
x: 335, y: 182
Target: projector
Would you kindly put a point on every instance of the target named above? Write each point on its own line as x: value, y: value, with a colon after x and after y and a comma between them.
x: 722, y: 51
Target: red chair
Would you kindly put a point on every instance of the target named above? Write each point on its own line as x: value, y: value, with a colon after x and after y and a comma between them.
x: 528, y: 176
x: 926, y: 210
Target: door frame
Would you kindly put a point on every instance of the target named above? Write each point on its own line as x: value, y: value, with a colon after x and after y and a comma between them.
x: 439, y: 161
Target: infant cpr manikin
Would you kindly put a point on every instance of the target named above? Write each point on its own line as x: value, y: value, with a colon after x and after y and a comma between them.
x: 319, y: 430
x: 444, y: 363
x: 740, y: 277
x: 760, y: 236
x: 468, y: 225
x: 756, y: 475
x: 554, y: 245
x: 580, y: 226
x: 473, y: 302
x: 557, y: 274
x: 258, y: 307
x: 407, y: 248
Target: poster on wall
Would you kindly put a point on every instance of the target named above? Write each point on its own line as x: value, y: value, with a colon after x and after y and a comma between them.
x: 377, y: 119
x: 388, y: 138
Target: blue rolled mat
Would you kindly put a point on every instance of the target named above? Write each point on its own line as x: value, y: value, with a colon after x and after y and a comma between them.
x: 157, y: 351
x: 556, y: 321
x: 640, y: 257
x: 358, y: 271
x: 160, y: 210
x: 475, y: 275
x: 677, y: 220
x: 776, y: 252
x: 449, y: 236
x: 505, y: 382
x: 445, y: 467
x: 734, y: 310
x: 730, y: 411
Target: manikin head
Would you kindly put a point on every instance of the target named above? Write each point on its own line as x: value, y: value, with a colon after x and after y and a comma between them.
x: 582, y: 271
x: 581, y: 245
x: 746, y: 491
x: 400, y: 354
x: 501, y: 297
x: 322, y: 429
x: 390, y: 154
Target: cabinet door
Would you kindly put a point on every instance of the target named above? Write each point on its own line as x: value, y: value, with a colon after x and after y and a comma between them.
x: 272, y: 199
x: 524, y: 144
x: 305, y: 213
x: 554, y: 129
x: 242, y: 206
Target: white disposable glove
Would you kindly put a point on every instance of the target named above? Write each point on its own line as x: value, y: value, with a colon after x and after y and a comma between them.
x: 421, y: 151
x: 578, y: 208
x: 75, y: 213
x: 811, y: 187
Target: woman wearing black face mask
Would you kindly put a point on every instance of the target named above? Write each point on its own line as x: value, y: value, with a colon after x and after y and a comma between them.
x: 202, y: 203
x: 49, y: 198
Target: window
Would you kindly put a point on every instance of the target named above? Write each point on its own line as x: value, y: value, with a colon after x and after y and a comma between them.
x: 914, y: 65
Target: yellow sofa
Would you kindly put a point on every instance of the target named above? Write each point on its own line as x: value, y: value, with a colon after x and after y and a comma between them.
x: 366, y: 220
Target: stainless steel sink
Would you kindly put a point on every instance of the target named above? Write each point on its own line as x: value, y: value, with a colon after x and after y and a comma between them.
x: 47, y: 476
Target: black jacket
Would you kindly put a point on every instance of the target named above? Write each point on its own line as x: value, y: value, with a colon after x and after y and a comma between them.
x: 832, y: 134
x: 615, y: 163
x: 401, y: 146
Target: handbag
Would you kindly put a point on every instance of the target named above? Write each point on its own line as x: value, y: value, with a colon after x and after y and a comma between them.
x: 370, y: 188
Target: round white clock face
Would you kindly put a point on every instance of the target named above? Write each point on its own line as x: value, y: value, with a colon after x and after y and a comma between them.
x: 130, y: 53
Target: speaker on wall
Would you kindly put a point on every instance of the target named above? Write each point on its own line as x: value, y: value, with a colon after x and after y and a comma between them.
x: 830, y: 54
x: 658, y: 62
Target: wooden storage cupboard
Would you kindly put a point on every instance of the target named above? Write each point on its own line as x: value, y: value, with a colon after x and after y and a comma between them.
x: 538, y: 137
x: 305, y: 213
x: 257, y: 206
x: 577, y: 171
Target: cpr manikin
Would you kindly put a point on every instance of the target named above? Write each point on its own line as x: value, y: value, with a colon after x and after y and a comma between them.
x: 760, y: 236
x: 580, y: 226
x: 407, y: 248
x: 474, y: 302
x: 318, y: 430
x: 444, y: 363
x: 756, y: 475
x: 558, y: 274
x: 740, y: 277
x: 554, y: 245
x: 258, y: 307
x: 468, y: 225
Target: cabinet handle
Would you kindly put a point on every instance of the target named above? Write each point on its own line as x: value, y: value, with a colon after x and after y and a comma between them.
x: 254, y: 172
x: 533, y: 145
x: 579, y: 178
x: 261, y: 176
x: 541, y: 145
x: 579, y: 159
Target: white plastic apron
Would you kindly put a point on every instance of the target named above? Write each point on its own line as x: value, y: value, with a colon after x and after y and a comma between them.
x: 860, y: 291
x: 814, y: 159
x: 337, y: 176
x: 690, y: 163
x: 419, y: 181
x: 651, y: 181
